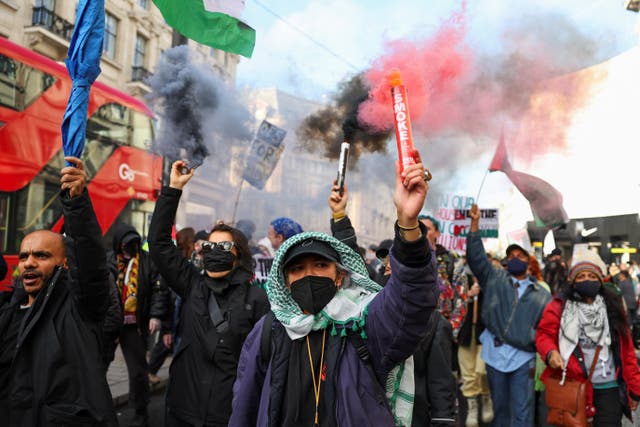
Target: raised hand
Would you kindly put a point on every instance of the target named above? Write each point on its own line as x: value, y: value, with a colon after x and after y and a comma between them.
x: 74, y: 178
x: 338, y: 203
x: 474, y: 213
x: 410, y: 193
x: 177, y: 179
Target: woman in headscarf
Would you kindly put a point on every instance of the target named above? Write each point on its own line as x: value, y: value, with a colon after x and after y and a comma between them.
x: 586, y: 315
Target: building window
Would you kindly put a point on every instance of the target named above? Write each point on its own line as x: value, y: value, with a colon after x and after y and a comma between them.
x: 138, y: 72
x: 49, y: 5
x: 142, y: 3
x: 140, y: 51
x: 110, y: 36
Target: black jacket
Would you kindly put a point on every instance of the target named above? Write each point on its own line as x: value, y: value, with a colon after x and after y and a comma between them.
x: 56, y: 376
x: 204, y: 366
x: 435, y: 397
x: 154, y: 299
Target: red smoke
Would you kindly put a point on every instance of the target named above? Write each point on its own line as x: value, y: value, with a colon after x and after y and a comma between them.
x: 432, y: 72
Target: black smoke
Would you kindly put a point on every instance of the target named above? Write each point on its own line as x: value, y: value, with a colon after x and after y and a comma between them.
x: 200, y: 114
x: 327, y: 128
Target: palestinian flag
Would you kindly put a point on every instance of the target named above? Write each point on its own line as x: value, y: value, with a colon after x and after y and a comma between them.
x: 544, y: 199
x: 214, y: 23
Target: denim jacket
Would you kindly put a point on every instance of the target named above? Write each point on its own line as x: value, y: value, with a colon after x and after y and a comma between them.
x: 510, y: 319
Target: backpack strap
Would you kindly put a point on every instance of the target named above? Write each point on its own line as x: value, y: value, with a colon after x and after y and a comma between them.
x: 265, y: 338
x: 363, y: 353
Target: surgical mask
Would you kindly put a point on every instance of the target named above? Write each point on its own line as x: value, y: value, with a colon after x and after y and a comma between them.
x: 516, y: 266
x: 216, y: 260
x: 587, y: 288
x: 313, y: 293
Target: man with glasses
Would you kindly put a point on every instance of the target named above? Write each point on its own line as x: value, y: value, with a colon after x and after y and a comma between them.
x: 219, y: 309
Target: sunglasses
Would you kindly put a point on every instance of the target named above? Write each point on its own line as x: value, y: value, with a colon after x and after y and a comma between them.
x: 225, y: 246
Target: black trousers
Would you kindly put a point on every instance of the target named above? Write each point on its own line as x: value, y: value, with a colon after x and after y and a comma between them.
x: 134, y: 349
x: 608, y: 407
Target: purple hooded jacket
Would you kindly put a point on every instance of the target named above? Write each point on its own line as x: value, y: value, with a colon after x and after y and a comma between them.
x: 394, y: 326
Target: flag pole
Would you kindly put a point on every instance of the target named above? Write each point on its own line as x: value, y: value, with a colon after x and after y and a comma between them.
x: 482, y: 184
x: 235, y: 205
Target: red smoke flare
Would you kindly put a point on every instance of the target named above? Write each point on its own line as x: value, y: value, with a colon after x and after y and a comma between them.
x: 432, y: 72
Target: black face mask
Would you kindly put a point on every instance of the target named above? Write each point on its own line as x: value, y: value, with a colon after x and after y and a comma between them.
x: 130, y: 249
x: 587, y: 289
x: 516, y: 266
x: 313, y: 293
x: 216, y: 260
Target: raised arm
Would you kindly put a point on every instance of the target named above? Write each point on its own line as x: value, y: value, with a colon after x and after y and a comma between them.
x: 171, y: 264
x: 476, y: 255
x: 397, y: 317
x: 89, y: 273
x: 341, y: 227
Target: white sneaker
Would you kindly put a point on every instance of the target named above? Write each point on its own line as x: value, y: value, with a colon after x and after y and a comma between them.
x: 487, y: 409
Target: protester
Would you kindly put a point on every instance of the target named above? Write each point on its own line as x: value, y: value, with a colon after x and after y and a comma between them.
x: 219, y: 308
x: 555, y: 271
x: 583, y: 316
x: 473, y: 371
x: 281, y: 229
x: 513, y: 304
x: 335, y: 339
x: 146, y: 302
x: 51, y: 370
x: 435, y: 384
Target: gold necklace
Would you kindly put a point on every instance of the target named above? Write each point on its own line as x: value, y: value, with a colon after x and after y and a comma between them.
x: 316, y: 385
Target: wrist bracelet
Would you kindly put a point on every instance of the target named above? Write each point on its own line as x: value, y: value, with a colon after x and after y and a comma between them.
x: 338, y: 215
x: 408, y: 228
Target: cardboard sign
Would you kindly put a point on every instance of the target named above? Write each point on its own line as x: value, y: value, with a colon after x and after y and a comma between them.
x: 264, y: 153
x: 454, y: 219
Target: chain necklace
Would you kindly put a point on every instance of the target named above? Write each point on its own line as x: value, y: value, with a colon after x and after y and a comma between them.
x: 318, y: 383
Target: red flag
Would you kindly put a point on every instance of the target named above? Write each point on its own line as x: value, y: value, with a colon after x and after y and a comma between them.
x: 544, y: 199
x: 500, y: 160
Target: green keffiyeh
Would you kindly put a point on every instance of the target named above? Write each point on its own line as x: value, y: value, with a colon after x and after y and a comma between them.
x: 347, y: 309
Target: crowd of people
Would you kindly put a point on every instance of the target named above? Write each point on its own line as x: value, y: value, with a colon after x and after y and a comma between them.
x: 304, y: 328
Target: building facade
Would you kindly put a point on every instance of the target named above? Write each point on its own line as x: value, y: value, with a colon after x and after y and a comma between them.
x: 135, y: 37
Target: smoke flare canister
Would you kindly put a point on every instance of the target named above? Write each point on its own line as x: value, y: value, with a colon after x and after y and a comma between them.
x: 401, y: 119
x: 342, y: 166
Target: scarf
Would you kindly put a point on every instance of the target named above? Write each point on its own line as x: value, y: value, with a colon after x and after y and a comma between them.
x: 128, y: 286
x: 590, y: 318
x: 347, y: 309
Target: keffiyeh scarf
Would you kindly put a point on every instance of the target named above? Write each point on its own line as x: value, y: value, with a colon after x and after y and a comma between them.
x: 347, y: 309
x: 590, y: 318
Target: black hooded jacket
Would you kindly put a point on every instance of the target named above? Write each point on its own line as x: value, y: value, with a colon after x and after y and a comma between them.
x: 204, y: 366
x: 154, y: 299
x: 56, y: 376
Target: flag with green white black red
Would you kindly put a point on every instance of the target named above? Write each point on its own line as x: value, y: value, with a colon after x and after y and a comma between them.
x: 214, y: 23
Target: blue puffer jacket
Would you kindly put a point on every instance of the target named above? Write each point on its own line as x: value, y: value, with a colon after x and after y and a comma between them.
x: 510, y: 319
x: 395, y: 325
